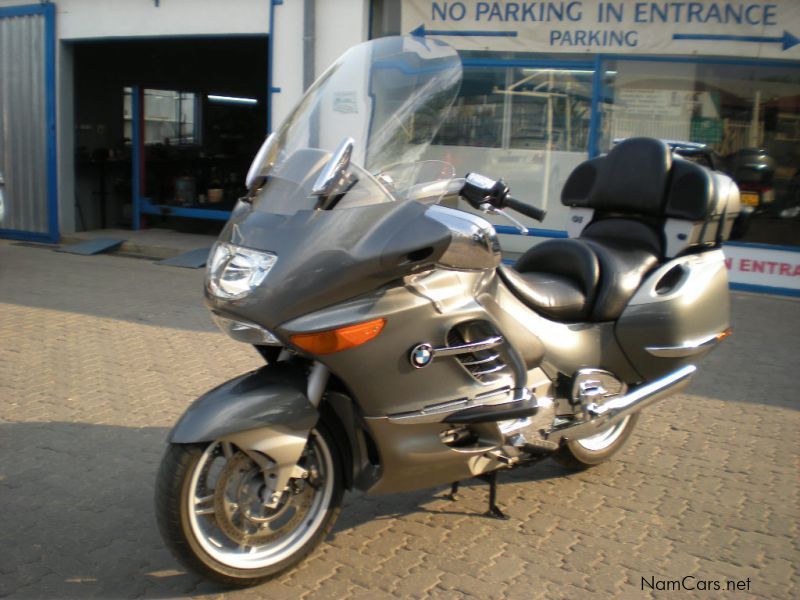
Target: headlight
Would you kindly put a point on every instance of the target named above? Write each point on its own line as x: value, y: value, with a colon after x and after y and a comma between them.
x: 234, y: 272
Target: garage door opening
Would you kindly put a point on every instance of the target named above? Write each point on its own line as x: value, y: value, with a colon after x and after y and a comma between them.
x: 175, y: 121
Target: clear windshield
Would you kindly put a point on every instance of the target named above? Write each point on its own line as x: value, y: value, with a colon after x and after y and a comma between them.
x: 390, y: 95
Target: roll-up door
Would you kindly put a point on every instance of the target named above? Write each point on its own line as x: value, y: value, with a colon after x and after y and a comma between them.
x: 27, y: 123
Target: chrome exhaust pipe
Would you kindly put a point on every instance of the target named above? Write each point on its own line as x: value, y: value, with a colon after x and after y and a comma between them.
x: 612, y: 412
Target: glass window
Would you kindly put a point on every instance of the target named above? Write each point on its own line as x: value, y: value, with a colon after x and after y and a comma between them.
x: 526, y: 125
x: 535, y: 108
x: 170, y: 117
x: 747, y: 115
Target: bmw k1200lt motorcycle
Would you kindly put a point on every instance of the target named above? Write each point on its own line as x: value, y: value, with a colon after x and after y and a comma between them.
x: 401, y: 354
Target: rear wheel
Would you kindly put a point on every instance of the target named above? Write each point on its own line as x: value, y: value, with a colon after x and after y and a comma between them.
x: 212, y: 508
x: 593, y: 450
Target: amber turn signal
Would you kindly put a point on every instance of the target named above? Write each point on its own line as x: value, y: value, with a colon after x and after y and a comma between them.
x: 335, y: 340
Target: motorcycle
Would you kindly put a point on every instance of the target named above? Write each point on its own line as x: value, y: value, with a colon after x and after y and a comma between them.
x: 401, y: 353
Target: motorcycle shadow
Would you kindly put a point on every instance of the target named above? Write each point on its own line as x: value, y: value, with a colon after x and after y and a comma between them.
x: 78, y: 517
x: 471, y: 499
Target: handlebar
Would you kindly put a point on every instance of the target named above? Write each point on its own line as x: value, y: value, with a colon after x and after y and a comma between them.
x: 526, y: 209
x: 487, y: 194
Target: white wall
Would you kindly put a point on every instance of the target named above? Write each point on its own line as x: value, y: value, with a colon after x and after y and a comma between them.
x: 90, y: 19
x: 84, y: 19
x: 287, y: 59
x: 339, y: 24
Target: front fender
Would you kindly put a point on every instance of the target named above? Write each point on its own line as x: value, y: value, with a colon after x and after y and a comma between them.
x: 273, y: 396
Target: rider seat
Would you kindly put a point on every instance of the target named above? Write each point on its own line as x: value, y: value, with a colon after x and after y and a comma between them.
x: 635, y: 199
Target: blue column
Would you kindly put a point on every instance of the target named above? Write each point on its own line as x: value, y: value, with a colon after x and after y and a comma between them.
x: 52, y: 141
x: 136, y: 155
x: 594, y: 123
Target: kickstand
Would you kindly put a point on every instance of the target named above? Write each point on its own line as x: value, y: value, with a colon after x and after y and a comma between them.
x: 453, y: 491
x: 494, y: 511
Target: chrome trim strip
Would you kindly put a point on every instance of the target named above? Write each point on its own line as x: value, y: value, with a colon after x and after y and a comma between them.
x: 488, y: 371
x: 689, y: 348
x: 436, y: 412
x: 493, y: 393
x: 469, y: 348
x: 472, y: 363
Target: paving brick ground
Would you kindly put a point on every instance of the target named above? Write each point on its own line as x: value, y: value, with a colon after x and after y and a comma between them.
x: 99, y: 356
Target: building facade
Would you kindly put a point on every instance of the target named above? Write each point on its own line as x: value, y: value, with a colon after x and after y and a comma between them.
x: 125, y: 113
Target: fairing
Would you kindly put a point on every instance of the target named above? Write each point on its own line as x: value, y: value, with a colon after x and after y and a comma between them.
x: 390, y: 96
x: 326, y: 257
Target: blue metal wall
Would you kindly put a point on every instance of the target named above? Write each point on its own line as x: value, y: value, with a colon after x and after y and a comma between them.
x: 27, y: 122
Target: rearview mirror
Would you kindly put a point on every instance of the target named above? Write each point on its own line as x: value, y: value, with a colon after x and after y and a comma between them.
x: 335, y: 169
x: 2, y: 198
x: 260, y: 163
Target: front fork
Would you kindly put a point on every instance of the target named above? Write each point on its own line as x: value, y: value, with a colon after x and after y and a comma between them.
x: 284, y: 448
x: 317, y: 382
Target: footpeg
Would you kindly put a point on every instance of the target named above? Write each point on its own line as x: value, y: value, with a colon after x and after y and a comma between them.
x: 534, y: 445
x: 500, y: 457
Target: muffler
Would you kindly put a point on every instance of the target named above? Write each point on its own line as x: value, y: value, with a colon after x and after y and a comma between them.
x: 602, y: 416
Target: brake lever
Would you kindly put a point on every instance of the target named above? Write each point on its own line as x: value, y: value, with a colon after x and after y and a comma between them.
x: 493, y: 210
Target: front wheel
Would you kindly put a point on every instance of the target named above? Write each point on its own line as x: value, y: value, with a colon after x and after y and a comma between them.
x: 593, y: 450
x: 211, y: 506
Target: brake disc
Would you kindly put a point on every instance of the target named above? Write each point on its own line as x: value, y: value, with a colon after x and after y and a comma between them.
x: 240, y: 495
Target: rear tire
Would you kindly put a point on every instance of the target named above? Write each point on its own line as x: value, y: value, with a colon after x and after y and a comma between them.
x: 209, y: 507
x: 591, y: 451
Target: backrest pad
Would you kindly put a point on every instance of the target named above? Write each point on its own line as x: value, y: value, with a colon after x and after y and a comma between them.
x: 639, y: 179
x: 633, y: 178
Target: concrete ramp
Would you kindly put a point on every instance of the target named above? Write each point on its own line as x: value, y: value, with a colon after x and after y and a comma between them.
x: 90, y: 247
x: 194, y: 259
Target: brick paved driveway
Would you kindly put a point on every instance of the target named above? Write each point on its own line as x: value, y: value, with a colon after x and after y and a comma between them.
x: 99, y: 356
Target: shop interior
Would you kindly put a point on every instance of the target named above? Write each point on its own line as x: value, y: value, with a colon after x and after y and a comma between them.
x: 533, y: 123
x: 746, y: 116
x: 528, y: 123
x: 202, y: 116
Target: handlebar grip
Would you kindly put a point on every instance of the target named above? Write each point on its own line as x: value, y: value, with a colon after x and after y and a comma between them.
x: 526, y: 209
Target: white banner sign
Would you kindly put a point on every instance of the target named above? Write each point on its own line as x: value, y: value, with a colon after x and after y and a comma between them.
x: 753, y: 265
x: 742, y: 28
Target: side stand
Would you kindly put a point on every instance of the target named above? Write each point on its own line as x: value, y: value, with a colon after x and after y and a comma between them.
x: 494, y: 511
x: 453, y: 491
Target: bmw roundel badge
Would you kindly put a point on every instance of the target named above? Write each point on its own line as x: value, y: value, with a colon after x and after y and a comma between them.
x: 421, y: 355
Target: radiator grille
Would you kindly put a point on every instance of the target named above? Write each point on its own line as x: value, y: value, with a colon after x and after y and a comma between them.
x: 487, y: 366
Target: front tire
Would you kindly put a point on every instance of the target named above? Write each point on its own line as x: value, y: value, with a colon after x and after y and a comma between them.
x: 591, y: 451
x: 211, y: 513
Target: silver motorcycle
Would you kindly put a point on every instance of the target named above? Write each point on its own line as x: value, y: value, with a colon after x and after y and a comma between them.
x: 401, y: 353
